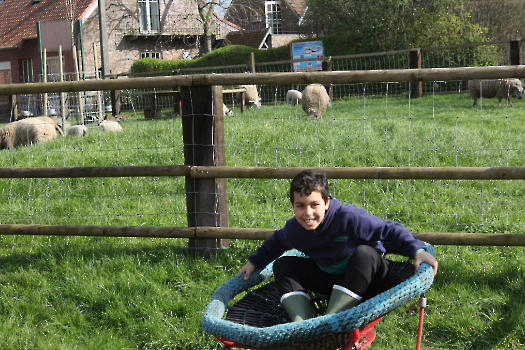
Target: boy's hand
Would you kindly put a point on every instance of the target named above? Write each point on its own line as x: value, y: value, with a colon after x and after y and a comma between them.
x: 247, y: 269
x: 425, y: 257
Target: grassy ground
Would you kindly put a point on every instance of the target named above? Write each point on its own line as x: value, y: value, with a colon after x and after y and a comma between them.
x: 133, y: 293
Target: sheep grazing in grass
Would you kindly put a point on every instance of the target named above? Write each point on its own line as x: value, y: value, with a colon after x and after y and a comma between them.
x: 110, y: 126
x: 64, y: 125
x: 28, y: 131
x: 226, y: 110
x: 251, y: 96
x: 499, y: 88
x: 77, y: 130
x: 293, y: 97
x: 315, y: 100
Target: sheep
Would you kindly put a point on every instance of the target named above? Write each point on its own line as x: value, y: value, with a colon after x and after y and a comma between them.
x: 226, y: 110
x: 77, y: 130
x: 315, y: 100
x: 251, y: 96
x: 293, y: 97
x: 28, y: 131
x: 499, y: 88
x: 64, y: 126
x: 110, y: 126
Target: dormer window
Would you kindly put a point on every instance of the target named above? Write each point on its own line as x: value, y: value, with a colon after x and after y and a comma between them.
x: 149, y: 15
x: 274, y: 16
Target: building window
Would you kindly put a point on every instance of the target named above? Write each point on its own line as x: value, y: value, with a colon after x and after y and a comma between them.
x: 26, y: 71
x: 274, y: 17
x: 150, y: 55
x: 149, y: 15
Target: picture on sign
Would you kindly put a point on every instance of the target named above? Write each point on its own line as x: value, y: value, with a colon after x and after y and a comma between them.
x: 306, y: 50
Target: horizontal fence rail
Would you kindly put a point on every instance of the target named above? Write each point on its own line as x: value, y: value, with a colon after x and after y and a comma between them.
x: 470, y: 239
x: 215, y: 172
x: 339, y: 77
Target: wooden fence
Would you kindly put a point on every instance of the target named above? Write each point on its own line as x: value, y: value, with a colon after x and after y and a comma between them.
x: 205, y: 171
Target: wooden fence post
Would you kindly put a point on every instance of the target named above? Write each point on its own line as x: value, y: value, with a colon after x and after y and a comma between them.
x: 515, y: 53
x: 14, y: 107
x: 251, y: 63
x: 203, y: 137
x: 177, y: 106
x: 416, y: 87
x: 327, y: 67
x: 115, y: 101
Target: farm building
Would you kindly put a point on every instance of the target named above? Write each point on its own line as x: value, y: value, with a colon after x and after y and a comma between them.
x: 135, y: 29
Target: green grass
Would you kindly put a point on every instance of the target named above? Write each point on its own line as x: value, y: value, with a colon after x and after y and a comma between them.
x: 143, y: 293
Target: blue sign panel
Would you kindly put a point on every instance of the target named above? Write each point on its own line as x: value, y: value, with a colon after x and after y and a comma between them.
x: 309, y: 49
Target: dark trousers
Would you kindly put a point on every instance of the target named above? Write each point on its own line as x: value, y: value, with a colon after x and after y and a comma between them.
x: 369, y: 274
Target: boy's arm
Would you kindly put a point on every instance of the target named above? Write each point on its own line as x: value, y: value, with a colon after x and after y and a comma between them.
x: 247, y: 270
x: 370, y: 228
x: 270, y: 250
x: 425, y: 257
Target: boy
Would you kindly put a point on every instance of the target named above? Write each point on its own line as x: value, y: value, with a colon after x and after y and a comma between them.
x: 344, y: 248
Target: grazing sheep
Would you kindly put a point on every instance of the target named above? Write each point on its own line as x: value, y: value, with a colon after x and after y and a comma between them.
x: 110, y: 126
x: 226, y: 110
x: 58, y: 121
x: 77, y: 130
x: 293, y: 97
x: 251, y: 96
x: 111, y: 118
x: 28, y: 131
x: 315, y: 100
x: 499, y: 88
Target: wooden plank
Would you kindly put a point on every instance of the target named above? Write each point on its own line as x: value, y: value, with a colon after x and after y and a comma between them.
x: 336, y: 77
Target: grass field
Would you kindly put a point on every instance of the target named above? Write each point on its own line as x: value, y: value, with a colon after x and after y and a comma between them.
x: 133, y: 293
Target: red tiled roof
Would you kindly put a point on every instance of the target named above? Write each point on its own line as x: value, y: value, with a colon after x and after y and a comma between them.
x: 18, y: 18
x: 299, y: 6
x: 251, y: 38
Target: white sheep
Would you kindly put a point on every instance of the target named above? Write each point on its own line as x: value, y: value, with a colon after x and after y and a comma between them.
x: 293, y: 97
x: 77, y: 130
x: 226, y: 110
x: 499, y: 88
x: 315, y: 100
x: 58, y: 120
x: 251, y: 96
x: 28, y: 131
x: 110, y: 126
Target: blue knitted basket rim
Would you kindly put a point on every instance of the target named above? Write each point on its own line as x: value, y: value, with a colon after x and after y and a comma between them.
x: 314, y: 328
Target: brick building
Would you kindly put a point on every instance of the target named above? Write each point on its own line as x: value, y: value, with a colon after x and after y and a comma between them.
x: 279, y: 17
x: 135, y: 29
x: 266, y: 24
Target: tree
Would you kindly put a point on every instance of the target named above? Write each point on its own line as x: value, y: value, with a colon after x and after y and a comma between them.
x: 388, y: 24
x: 206, y: 11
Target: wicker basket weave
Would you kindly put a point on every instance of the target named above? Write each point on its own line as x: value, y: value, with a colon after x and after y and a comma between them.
x: 259, y: 321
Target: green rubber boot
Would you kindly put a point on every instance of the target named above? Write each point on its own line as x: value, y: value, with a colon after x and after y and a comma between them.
x: 297, y: 306
x: 341, y: 299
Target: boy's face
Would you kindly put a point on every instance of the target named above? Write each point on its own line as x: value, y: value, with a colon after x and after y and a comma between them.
x: 309, y: 210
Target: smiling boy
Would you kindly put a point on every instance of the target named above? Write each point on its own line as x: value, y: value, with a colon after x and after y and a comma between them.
x: 344, y: 248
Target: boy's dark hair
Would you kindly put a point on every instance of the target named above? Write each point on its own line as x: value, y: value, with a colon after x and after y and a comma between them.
x: 308, y: 181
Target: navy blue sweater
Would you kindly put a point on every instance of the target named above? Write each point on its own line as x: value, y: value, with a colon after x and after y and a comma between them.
x: 343, y: 228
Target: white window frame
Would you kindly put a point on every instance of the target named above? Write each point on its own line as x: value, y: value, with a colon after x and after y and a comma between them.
x: 149, y: 15
x: 274, y: 16
x: 152, y: 54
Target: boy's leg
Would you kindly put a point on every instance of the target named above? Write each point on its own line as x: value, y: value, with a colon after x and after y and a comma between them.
x: 341, y: 299
x: 297, y: 306
x: 367, y: 274
x: 293, y: 274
